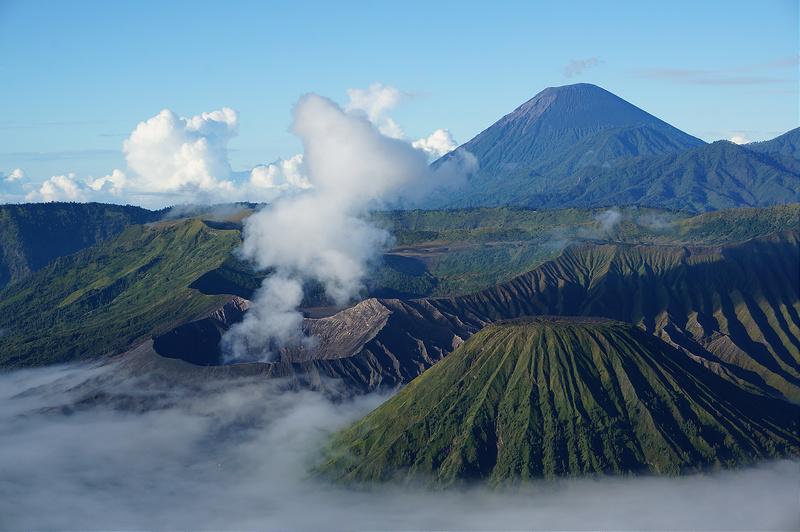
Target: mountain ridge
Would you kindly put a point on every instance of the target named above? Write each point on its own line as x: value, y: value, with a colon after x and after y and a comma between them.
x: 582, y: 146
x: 558, y: 117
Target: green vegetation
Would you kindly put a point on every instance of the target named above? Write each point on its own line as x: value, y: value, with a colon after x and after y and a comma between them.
x: 548, y: 397
x: 453, y: 252
x: 32, y: 235
x: 107, y: 297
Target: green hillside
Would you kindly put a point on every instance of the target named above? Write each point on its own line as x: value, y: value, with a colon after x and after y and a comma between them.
x: 549, y: 397
x: 107, y: 297
x: 33, y: 234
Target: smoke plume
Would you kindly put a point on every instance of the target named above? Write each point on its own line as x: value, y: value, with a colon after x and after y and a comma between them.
x: 322, y: 234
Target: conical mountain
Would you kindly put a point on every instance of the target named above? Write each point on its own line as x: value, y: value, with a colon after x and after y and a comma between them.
x: 547, y: 397
x: 557, y: 132
x: 582, y: 146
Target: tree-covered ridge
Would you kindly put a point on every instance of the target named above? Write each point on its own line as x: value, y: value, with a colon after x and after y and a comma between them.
x: 107, y: 297
x: 33, y: 234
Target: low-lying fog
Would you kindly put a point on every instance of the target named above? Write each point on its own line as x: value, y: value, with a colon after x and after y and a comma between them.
x: 235, y: 455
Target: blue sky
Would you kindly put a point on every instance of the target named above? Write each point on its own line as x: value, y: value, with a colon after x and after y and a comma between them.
x: 78, y: 76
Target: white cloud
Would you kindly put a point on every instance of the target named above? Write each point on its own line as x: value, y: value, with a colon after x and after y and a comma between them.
x: 375, y: 102
x: 16, y: 174
x: 114, y: 183
x: 171, y: 154
x: 59, y: 188
x: 609, y: 220
x: 739, y: 139
x: 283, y: 173
x: 437, y: 143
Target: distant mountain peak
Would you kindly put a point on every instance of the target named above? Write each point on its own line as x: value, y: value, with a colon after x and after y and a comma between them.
x: 583, y: 105
x: 562, y: 129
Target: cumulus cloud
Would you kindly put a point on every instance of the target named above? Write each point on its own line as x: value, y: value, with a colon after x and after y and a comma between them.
x: 739, y: 139
x: 16, y: 174
x: 59, y: 188
x: 576, y: 67
x: 375, y: 102
x: 436, y: 144
x: 235, y: 454
x: 167, y: 153
x: 113, y: 183
x: 281, y: 174
x: 322, y: 235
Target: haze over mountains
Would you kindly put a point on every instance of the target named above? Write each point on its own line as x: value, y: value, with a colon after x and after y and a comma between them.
x: 580, y: 145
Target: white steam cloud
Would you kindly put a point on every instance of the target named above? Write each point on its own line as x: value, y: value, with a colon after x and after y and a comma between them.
x: 609, y: 220
x: 321, y: 235
x: 236, y: 454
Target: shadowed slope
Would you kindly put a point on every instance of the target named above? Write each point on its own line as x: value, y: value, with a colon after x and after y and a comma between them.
x: 31, y: 235
x: 112, y: 295
x: 560, y: 396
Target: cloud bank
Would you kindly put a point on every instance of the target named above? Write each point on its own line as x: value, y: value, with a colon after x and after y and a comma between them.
x: 235, y: 454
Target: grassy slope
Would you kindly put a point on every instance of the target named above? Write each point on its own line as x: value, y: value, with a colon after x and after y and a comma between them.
x: 106, y: 297
x: 32, y: 235
x: 546, y: 398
